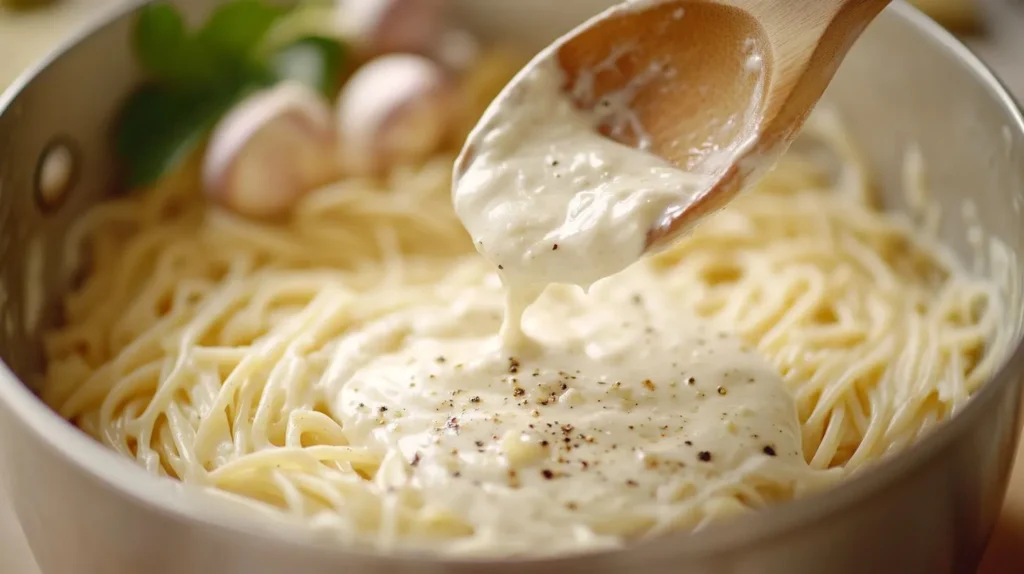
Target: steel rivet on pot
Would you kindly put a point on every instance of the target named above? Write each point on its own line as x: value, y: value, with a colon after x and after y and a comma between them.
x: 55, y: 174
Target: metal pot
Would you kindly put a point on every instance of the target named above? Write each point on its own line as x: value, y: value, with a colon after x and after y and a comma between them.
x: 928, y: 510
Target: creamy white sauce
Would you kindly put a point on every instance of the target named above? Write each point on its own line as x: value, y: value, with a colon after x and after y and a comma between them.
x: 627, y: 416
x: 548, y: 199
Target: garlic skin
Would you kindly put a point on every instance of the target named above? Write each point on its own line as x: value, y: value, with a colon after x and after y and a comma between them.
x: 376, y: 27
x: 395, y: 109
x: 270, y: 150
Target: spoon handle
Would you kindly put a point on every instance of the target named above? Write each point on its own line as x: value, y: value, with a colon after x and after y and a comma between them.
x: 808, y: 40
x: 804, y: 41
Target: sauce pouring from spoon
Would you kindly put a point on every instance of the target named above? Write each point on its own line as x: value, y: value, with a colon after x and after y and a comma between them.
x: 617, y: 138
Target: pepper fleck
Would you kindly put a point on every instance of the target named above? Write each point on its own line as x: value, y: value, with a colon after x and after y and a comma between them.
x: 769, y: 450
x: 547, y: 474
x: 704, y: 456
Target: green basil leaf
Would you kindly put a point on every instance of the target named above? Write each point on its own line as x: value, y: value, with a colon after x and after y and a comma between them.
x: 315, y: 61
x: 167, y: 51
x: 235, y: 29
x: 160, y: 128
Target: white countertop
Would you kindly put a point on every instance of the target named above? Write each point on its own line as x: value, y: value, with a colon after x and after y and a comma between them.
x: 24, y: 39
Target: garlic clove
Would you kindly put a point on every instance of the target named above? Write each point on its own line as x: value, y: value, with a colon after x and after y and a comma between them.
x: 395, y: 109
x: 271, y: 149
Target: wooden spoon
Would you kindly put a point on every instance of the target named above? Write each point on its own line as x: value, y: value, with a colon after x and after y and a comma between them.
x: 732, y: 82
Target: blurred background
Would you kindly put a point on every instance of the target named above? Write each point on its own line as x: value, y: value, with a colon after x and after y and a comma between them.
x: 992, y: 28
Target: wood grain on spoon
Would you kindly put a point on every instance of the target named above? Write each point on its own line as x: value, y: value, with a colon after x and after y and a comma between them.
x: 708, y: 110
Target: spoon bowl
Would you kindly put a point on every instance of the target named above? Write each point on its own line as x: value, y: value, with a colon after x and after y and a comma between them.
x: 694, y: 72
x: 715, y: 87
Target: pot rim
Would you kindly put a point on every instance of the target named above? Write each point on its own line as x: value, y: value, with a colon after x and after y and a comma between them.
x: 188, y: 504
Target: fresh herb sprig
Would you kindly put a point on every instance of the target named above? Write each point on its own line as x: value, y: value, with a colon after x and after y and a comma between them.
x: 195, y: 77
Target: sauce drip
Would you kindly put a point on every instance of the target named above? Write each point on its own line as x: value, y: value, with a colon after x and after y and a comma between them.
x: 548, y: 199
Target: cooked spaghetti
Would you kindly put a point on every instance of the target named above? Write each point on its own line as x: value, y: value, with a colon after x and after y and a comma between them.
x: 276, y: 363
